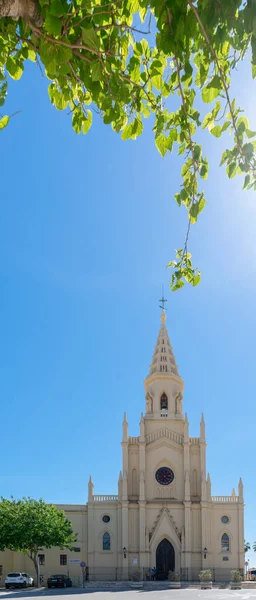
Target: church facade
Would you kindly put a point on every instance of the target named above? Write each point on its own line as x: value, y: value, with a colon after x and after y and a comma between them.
x: 164, y: 516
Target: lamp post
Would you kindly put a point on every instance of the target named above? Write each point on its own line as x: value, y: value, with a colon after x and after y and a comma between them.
x: 124, y: 552
x: 205, y: 552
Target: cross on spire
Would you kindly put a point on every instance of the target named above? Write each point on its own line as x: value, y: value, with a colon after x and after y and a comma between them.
x: 162, y: 300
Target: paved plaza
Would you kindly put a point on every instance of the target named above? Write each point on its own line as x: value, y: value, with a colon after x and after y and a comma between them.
x: 183, y: 594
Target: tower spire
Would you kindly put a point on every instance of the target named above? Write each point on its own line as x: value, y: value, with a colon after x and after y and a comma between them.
x: 241, y: 490
x: 125, y: 429
x: 90, y: 489
x: 202, y: 429
x: 163, y: 360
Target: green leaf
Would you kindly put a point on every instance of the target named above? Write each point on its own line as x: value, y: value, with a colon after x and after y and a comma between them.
x: 216, y: 131
x: 178, y: 199
x: 246, y: 181
x: 173, y: 135
x: 142, y: 13
x: 3, y: 92
x: 224, y: 158
x: 90, y: 38
x: 132, y: 130
x: 132, y: 5
x: 157, y: 81
x: 197, y: 151
x: 225, y: 126
x: 53, y: 55
x: 96, y: 70
x: 250, y: 133
x: 212, y: 89
x: 244, y: 121
x: 14, y: 68
x: 195, y: 210
x: 161, y: 144
x: 179, y: 284
x: 4, y: 122
x: 231, y: 170
x: 204, y: 171
x: 57, y: 8
x: 87, y: 122
x: 52, y: 24
x: 196, y: 280
x: 145, y: 110
x: 207, y: 120
x: 31, y: 55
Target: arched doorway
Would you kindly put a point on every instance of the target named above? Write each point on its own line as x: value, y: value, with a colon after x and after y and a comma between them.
x: 165, y: 559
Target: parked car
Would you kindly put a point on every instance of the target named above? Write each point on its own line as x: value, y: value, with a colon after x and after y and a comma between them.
x: 59, y: 581
x: 16, y: 579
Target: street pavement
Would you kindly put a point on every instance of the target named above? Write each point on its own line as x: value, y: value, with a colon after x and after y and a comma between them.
x: 183, y: 594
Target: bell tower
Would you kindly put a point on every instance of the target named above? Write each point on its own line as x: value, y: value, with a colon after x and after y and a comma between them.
x: 163, y: 385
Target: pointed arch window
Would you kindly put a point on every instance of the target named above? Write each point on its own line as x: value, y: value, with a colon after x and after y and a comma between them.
x: 225, y: 543
x: 164, y: 402
x: 106, y: 541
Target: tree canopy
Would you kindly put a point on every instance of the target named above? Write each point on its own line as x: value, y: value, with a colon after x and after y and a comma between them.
x: 126, y: 59
x: 28, y: 526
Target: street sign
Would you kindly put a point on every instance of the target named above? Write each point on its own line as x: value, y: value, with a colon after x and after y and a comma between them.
x: 74, y: 560
x: 82, y: 564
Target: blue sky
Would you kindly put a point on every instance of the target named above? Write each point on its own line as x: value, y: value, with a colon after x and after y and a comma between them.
x: 87, y: 226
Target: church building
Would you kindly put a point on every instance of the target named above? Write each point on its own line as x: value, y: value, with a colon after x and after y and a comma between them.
x: 164, y: 515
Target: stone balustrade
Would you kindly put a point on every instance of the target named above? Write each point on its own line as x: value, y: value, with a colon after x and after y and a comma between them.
x: 225, y: 499
x: 105, y: 498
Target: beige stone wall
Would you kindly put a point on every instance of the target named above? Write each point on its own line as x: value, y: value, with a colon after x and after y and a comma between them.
x: 163, y: 454
x: 216, y: 529
x: 133, y: 471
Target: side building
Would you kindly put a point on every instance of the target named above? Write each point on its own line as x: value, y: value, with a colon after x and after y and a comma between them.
x: 164, y: 514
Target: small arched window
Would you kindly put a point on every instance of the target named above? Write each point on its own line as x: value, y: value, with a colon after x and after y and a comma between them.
x: 164, y: 402
x: 225, y: 543
x: 106, y: 541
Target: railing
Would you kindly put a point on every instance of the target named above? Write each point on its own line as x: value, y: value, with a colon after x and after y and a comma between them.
x: 225, y: 498
x: 134, y: 440
x: 105, y: 498
x: 194, y: 440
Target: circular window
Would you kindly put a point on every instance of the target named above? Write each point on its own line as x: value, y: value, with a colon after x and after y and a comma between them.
x: 225, y: 519
x: 164, y: 476
x: 106, y: 519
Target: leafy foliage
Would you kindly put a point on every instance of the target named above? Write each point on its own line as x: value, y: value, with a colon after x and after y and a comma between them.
x: 96, y: 55
x: 205, y: 575
x: 247, y: 546
x: 29, y: 525
x: 236, y: 576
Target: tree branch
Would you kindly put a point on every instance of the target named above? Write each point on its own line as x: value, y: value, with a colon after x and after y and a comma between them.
x: 72, y: 46
x: 214, y: 55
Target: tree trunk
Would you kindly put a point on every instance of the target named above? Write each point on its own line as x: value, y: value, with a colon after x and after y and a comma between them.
x: 27, y: 9
x: 35, y: 561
